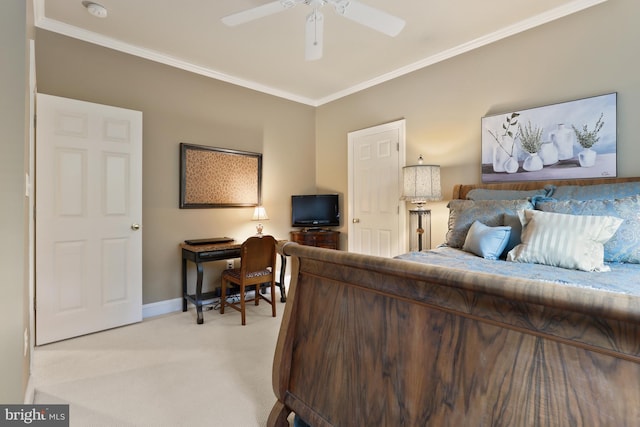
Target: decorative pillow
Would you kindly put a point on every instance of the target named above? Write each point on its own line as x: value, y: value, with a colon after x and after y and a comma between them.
x: 487, y: 242
x: 513, y: 221
x: 596, y: 192
x: 562, y: 240
x: 462, y: 213
x: 624, y: 246
x: 487, y: 194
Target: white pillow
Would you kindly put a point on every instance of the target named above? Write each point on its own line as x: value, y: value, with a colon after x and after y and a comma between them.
x: 563, y: 240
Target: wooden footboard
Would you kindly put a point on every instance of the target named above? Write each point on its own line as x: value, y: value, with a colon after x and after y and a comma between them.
x: 368, y: 341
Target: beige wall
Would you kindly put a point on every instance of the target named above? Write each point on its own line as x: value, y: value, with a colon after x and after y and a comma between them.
x: 589, y: 53
x: 13, y: 212
x: 179, y: 106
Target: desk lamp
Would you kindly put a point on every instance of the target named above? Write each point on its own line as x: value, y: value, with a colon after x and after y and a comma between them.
x: 259, y: 214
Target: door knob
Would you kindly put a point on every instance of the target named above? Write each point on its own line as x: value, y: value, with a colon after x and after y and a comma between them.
x: 135, y: 227
x: 356, y: 220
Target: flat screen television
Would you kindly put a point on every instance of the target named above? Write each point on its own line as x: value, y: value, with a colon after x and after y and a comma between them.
x: 315, y: 210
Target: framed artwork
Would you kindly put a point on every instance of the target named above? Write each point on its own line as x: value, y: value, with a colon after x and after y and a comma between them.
x: 575, y: 139
x: 218, y: 177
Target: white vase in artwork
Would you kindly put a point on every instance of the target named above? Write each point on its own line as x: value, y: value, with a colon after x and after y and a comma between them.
x: 502, y: 160
x: 587, y: 158
x: 548, y: 153
x: 511, y: 165
x: 532, y: 163
x: 562, y: 138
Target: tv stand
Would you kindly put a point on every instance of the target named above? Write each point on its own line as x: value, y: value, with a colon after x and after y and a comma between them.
x: 318, y: 237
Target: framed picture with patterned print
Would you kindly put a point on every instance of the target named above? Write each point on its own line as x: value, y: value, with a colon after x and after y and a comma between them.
x: 219, y: 177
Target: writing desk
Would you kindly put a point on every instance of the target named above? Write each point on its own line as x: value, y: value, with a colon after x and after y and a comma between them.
x: 199, y: 254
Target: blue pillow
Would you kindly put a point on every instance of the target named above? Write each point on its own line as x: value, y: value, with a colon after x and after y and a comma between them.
x: 487, y: 242
x: 624, y: 246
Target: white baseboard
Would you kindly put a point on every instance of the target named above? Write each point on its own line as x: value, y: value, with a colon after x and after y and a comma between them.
x: 161, y: 307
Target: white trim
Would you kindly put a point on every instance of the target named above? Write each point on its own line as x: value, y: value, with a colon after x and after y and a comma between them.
x: 43, y: 22
x: 161, y: 307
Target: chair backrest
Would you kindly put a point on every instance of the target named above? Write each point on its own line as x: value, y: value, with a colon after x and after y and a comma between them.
x: 257, y: 253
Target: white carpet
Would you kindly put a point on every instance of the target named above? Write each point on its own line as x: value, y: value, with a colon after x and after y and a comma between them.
x: 165, y: 371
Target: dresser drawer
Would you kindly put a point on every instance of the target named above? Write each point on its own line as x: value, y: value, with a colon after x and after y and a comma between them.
x: 321, y: 239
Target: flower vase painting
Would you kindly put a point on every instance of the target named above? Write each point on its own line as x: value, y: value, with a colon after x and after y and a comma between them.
x: 575, y: 139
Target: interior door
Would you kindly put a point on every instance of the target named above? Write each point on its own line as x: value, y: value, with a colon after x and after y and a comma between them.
x: 376, y: 214
x: 88, y: 218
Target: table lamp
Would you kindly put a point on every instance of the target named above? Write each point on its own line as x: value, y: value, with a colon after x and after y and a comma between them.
x: 259, y: 214
x: 421, y: 183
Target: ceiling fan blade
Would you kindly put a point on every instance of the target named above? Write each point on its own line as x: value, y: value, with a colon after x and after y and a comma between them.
x: 371, y: 17
x: 313, y: 36
x: 256, y: 13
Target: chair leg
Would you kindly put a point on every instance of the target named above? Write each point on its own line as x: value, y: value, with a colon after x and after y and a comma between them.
x: 257, y: 294
x: 242, y: 305
x: 273, y: 298
x: 223, y: 295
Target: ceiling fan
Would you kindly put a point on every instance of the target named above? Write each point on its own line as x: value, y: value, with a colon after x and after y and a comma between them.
x: 362, y: 14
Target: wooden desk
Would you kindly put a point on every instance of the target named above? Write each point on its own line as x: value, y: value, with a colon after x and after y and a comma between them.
x: 199, y: 254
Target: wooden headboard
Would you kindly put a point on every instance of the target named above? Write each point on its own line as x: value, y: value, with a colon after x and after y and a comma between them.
x: 460, y: 190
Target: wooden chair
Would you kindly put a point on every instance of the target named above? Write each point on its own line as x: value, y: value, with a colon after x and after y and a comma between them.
x: 257, y: 266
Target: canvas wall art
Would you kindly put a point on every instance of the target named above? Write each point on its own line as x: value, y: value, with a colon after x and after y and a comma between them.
x: 575, y: 139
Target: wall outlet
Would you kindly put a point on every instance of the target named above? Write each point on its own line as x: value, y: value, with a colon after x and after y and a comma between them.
x: 230, y: 264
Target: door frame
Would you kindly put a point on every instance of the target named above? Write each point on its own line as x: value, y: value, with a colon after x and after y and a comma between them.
x: 400, y: 126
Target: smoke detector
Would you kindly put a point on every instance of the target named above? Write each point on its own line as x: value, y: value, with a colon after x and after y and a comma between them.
x: 97, y: 10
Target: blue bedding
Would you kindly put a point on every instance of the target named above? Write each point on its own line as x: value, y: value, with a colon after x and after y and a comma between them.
x: 623, y: 278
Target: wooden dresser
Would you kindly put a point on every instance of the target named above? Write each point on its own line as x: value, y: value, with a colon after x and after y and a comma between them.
x: 321, y: 238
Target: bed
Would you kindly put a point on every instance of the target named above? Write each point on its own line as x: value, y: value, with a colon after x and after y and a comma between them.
x: 369, y: 341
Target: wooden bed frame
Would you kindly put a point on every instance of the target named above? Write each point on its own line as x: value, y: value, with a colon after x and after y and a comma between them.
x: 370, y: 341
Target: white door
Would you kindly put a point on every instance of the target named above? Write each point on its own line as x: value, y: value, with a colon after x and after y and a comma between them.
x: 88, y: 218
x: 376, y: 213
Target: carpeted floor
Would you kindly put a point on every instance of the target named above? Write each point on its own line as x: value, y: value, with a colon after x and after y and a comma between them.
x: 165, y: 371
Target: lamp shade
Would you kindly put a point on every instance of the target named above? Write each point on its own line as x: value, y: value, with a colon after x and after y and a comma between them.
x: 421, y: 183
x: 259, y: 214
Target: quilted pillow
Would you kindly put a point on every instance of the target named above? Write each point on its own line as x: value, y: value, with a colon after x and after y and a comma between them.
x: 488, y: 194
x: 513, y: 221
x: 462, y: 213
x: 487, y: 242
x: 562, y: 240
x: 596, y: 192
x: 624, y: 246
